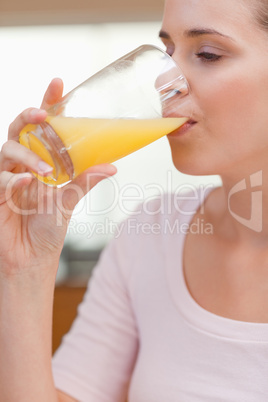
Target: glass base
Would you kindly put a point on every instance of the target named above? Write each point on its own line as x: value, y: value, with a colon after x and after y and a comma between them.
x: 44, y: 141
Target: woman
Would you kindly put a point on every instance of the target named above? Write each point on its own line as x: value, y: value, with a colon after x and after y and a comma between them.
x: 174, y: 315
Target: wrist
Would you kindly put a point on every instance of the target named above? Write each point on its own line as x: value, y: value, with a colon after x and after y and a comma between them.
x: 25, y: 336
x: 40, y: 270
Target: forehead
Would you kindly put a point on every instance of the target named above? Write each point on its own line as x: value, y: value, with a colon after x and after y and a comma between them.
x: 228, y: 15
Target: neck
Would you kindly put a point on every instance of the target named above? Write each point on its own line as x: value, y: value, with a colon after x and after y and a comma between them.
x: 243, y: 200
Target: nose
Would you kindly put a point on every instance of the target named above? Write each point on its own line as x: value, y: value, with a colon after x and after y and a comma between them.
x: 178, y: 88
x: 171, y: 77
x: 173, y: 90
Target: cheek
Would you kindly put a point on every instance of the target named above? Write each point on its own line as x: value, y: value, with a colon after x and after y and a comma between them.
x: 224, y: 93
x: 235, y: 103
x: 233, y: 120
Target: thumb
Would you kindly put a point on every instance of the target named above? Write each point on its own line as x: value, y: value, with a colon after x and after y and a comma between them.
x: 53, y: 93
x: 73, y: 192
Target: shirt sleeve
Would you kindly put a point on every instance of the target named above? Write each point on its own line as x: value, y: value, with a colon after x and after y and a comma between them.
x: 96, y: 358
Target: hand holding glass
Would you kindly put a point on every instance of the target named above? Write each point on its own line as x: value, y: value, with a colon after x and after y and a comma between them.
x: 129, y: 104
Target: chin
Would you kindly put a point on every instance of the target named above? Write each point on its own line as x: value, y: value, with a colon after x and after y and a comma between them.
x: 193, y: 166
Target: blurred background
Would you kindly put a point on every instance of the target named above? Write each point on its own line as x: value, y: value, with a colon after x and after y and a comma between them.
x: 73, y: 40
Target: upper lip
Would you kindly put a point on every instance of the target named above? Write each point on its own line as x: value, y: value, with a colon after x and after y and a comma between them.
x: 190, y: 122
x: 166, y: 113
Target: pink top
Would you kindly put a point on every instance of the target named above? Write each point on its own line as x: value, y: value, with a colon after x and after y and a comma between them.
x: 139, y: 333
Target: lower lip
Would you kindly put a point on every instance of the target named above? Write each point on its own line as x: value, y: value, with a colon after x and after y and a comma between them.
x: 181, y: 130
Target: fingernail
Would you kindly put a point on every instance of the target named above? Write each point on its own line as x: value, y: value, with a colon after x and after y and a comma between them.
x: 44, y: 167
x: 111, y: 169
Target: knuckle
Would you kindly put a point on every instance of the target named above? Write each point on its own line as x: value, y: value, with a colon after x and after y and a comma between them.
x: 6, y: 147
x: 3, y: 177
x: 11, y: 128
x: 22, y: 118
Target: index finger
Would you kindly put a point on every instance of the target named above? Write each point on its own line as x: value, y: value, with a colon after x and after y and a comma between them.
x: 53, y: 93
x: 28, y: 116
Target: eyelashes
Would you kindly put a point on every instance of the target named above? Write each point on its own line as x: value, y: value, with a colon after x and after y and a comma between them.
x: 208, y: 57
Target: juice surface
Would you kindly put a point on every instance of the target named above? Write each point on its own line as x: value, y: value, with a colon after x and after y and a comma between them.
x: 94, y: 141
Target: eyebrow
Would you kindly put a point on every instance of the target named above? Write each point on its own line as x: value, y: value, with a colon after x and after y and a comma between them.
x: 193, y: 33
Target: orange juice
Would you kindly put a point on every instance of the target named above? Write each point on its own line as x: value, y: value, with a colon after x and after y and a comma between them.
x: 71, y: 145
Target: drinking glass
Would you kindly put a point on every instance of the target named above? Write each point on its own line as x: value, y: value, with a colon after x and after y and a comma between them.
x: 132, y: 102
